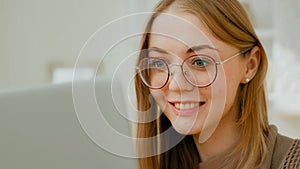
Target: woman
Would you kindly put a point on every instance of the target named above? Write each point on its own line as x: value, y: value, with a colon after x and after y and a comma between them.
x: 201, y: 72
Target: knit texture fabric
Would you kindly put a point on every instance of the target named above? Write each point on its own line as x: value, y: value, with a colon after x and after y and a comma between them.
x: 292, y: 160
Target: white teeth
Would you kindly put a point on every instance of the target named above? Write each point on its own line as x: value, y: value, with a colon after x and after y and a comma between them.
x: 186, y: 106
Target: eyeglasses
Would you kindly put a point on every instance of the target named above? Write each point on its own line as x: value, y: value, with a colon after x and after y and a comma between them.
x: 199, y: 70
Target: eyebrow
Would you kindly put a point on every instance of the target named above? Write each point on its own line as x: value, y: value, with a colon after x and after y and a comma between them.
x: 199, y: 47
x: 190, y: 50
x: 156, y: 49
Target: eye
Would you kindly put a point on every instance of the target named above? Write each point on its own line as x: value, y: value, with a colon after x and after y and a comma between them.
x: 200, y: 62
x: 156, y: 63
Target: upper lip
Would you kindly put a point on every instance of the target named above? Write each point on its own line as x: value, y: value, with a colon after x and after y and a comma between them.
x: 185, y: 102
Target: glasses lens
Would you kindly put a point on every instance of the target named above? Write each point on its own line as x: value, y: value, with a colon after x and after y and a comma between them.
x: 154, y: 72
x: 200, y: 70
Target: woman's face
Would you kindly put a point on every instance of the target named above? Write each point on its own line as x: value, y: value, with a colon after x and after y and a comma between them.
x: 190, y: 109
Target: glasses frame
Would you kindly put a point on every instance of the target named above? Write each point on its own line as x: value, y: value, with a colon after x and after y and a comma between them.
x: 216, y: 64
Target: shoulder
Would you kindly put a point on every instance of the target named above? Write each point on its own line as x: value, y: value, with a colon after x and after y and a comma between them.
x: 286, y: 153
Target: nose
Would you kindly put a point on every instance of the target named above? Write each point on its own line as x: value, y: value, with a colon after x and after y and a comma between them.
x: 177, y: 81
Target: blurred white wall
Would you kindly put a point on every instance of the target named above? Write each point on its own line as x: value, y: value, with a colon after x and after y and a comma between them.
x: 277, y: 25
x: 285, y: 66
x: 39, y: 35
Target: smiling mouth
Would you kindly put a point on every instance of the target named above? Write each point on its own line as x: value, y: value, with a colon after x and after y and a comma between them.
x: 187, y: 106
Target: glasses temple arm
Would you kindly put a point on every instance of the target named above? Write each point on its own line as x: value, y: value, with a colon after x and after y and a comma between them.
x: 237, y: 54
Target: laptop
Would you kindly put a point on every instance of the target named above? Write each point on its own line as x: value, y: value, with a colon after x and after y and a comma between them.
x: 40, y: 129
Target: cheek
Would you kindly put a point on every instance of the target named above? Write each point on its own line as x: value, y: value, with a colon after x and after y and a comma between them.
x: 159, y: 97
x: 218, y: 95
x: 232, y: 84
x: 218, y: 89
x: 157, y: 94
x: 228, y: 80
x: 224, y: 89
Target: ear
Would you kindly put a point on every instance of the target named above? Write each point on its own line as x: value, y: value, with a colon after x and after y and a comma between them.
x: 252, y: 63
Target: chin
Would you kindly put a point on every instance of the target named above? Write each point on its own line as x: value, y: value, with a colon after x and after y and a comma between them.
x: 186, y: 128
x: 185, y: 125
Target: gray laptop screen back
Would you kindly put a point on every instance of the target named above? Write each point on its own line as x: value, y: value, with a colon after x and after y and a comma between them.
x: 39, y: 129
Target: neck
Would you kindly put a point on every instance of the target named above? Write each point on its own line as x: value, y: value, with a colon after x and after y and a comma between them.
x: 224, y: 139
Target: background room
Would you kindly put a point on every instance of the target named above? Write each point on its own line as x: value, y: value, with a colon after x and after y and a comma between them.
x: 41, y: 40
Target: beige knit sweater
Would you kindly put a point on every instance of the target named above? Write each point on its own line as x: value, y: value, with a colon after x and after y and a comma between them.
x: 283, y: 153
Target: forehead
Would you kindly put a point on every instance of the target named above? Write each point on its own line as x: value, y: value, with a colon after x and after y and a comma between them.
x: 183, y: 27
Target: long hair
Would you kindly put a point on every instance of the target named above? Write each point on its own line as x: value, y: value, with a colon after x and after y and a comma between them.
x: 228, y: 22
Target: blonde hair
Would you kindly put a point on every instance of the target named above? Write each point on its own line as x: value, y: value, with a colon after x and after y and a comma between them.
x: 228, y: 22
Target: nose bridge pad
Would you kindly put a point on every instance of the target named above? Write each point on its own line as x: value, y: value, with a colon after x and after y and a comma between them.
x: 172, y: 71
x: 171, y: 67
x: 177, y: 79
x: 186, y: 73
